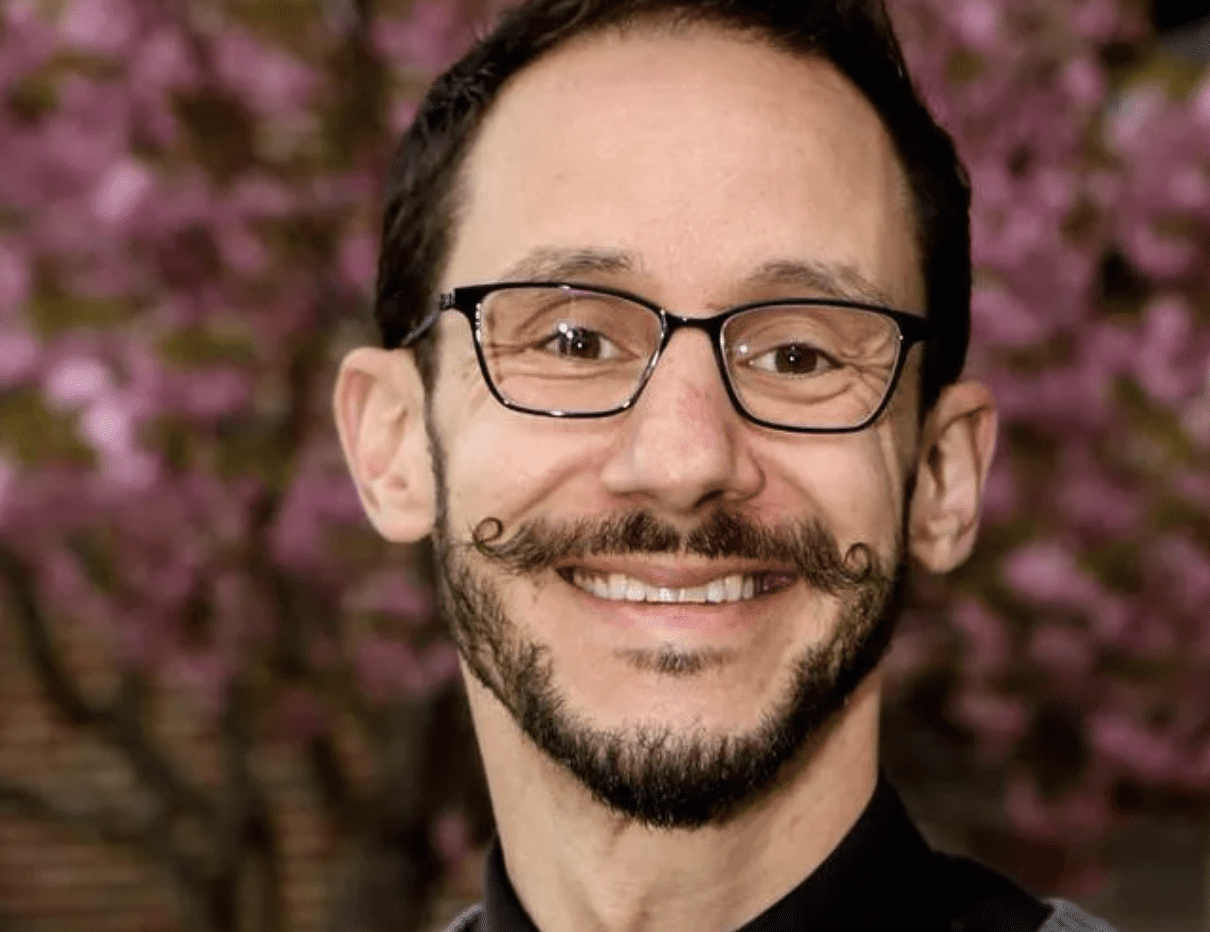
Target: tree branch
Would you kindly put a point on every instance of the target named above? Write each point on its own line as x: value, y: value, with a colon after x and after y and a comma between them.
x: 104, y: 825
x: 43, y: 654
x: 120, y: 724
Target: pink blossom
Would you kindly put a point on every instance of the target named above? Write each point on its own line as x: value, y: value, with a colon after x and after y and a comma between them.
x: 205, y: 674
x: 390, y: 669
x: 1123, y: 740
x: 1002, y: 319
x: 427, y: 40
x: 130, y: 469
x: 1193, y: 485
x: 1097, y: 20
x: 120, y: 191
x: 978, y: 23
x: 162, y: 62
x: 1197, y: 770
x: 1190, y: 189
x: 1000, y: 496
x: 1183, y: 568
x: 359, y: 259
x: 1082, y: 815
x: 1194, y: 417
x: 1084, y: 82
x: 14, y: 278
x: 1167, y: 330
x: 8, y: 486
x: 1023, y: 233
x: 918, y: 640
x: 266, y: 78
x: 1063, y: 651
x: 242, y: 250
x: 259, y: 196
x: 312, y: 505
x: 1133, y: 116
x: 1044, y: 571
x: 1160, y: 255
x: 1096, y: 504
x: 19, y: 15
x: 987, y: 644
x: 108, y: 425
x: 391, y: 592
x: 387, y: 669
x: 19, y: 357
x: 210, y: 393
x: 992, y: 186
x: 452, y: 838
x: 1199, y: 106
x: 440, y: 665
x: 401, y: 116
x: 998, y: 721
x: 77, y: 381
x: 1055, y: 190
x: 103, y: 26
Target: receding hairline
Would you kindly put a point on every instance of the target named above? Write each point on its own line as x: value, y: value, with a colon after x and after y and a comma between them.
x: 683, y: 21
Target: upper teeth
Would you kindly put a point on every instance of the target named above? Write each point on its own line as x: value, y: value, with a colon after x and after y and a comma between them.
x: 615, y: 586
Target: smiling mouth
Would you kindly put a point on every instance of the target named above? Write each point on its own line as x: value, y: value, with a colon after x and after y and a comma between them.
x: 737, y: 587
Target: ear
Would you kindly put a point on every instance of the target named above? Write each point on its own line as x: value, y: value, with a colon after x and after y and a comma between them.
x: 379, y: 408
x: 958, y: 441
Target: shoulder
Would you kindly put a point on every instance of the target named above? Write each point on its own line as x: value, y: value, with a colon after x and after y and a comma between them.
x: 984, y: 900
x: 980, y: 899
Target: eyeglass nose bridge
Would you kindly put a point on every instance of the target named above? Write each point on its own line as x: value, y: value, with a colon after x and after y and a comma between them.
x: 712, y: 326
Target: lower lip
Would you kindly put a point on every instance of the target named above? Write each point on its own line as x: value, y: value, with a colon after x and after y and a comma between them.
x: 681, y: 616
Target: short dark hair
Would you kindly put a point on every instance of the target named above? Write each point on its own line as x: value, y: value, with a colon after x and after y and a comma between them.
x: 424, y: 190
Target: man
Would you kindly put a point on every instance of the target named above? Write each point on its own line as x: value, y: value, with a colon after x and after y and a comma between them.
x: 674, y: 298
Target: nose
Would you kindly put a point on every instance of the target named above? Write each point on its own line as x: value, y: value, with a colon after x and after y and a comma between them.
x: 683, y: 446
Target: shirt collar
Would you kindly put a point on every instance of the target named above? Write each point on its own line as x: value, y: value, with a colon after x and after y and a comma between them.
x: 882, y: 852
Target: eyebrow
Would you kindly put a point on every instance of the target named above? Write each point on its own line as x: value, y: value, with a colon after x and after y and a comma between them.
x: 822, y: 279
x: 557, y: 264
x: 827, y: 279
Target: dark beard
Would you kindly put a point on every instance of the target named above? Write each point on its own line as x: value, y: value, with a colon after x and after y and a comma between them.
x: 657, y: 776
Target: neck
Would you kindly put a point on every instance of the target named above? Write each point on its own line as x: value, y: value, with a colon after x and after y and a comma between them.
x: 577, y: 867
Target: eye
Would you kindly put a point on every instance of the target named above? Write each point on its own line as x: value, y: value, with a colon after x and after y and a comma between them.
x: 575, y: 342
x: 794, y: 359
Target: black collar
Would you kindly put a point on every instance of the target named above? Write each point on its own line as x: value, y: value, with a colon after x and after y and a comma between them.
x: 882, y: 875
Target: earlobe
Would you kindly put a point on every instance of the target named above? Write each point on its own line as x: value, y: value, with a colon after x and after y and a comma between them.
x: 958, y: 443
x: 379, y: 407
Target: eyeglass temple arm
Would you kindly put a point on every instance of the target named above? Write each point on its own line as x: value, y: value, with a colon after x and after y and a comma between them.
x: 444, y: 303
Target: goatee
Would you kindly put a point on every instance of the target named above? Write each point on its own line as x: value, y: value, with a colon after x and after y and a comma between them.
x: 658, y: 776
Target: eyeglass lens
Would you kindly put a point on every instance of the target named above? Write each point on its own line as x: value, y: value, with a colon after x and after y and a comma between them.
x: 578, y: 352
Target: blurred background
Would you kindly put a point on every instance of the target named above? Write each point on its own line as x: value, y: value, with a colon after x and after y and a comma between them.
x: 225, y: 705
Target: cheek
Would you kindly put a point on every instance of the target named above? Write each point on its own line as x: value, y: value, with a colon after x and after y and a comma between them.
x: 506, y: 465
x: 853, y: 483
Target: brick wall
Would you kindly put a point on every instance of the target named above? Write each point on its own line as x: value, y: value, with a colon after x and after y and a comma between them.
x: 51, y: 879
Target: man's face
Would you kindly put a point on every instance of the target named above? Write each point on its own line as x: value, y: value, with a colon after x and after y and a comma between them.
x: 699, y: 170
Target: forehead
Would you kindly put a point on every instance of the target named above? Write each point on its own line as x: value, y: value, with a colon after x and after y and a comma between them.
x: 700, y: 154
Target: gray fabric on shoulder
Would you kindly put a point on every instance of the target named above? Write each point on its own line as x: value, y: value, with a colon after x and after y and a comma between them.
x: 466, y: 920
x: 1068, y: 917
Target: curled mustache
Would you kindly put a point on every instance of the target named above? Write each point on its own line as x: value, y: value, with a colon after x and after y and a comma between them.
x: 808, y: 546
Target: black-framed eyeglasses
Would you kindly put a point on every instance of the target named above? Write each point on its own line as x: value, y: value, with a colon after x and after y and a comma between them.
x: 805, y: 365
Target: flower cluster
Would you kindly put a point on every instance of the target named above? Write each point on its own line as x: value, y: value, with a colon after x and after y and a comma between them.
x: 1085, y: 648
x: 188, y: 220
